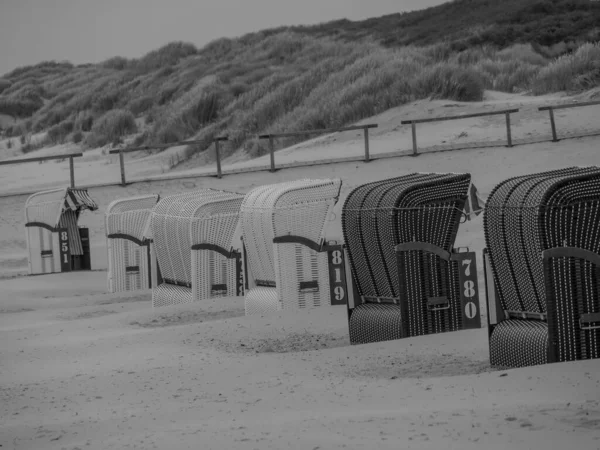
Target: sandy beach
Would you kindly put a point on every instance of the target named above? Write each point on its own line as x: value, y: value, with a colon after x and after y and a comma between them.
x: 84, y: 369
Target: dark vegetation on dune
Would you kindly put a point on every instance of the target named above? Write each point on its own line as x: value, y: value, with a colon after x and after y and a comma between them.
x: 298, y: 78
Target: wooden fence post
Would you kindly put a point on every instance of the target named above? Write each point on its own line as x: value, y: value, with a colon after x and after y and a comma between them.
x: 366, y: 133
x: 218, y: 156
x: 553, y: 125
x: 272, y: 153
x: 122, y: 163
x: 508, y: 133
x: 72, y: 171
x: 414, y: 138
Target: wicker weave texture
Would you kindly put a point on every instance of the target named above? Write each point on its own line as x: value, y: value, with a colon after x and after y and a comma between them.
x: 573, y: 284
x: 298, y: 275
x: 45, y: 207
x: 519, y: 343
x: 214, y: 275
x: 261, y: 300
x: 128, y: 268
x: 376, y: 217
x: 130, y: 216
x: 298, y: 266
x: 514, y: 237
x: 169, y: 294
x: 375, y: 322
x: 569, y: 303
x: 204, y: 217
x: 524, y: 217
x: 128, y: 261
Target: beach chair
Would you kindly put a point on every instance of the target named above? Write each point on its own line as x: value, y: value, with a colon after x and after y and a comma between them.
x: 541, y: 265
x: 55, y: 241
x: 399, y: 235
x: 131, y: 260
x: 193, y: 236
x: 283, y: 228
x: 215, y: 236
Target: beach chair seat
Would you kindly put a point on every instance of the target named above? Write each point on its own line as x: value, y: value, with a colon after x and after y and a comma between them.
x: 519, y: 343
x: 261, y: 300
x: 375, y: 322
x: 170, y: 294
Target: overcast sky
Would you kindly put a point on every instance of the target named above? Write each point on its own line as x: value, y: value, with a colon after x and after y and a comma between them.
x: 84, y: 31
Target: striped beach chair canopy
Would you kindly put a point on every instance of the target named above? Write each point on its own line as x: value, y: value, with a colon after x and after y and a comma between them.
x: 46, y: 208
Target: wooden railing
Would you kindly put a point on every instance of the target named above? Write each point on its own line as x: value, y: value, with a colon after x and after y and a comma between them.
x: 551, y: 109
x: 48, y: 158
x: 413, y: 123
x: 219, y: 139
x: 122, y: 151
x: 272, y: 136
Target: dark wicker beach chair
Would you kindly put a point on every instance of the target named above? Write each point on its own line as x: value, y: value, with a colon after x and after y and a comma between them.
x: 543, y: 239
x: 399, y: 234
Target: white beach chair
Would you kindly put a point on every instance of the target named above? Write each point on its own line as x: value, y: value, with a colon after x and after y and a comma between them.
x: 193, y: 235
x: 131, y: 260
x: 283, y: 227
x: 54, y: 240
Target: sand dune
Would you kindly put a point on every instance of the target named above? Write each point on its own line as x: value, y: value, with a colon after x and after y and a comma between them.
x: 390, y: 138
x: 83, y: 369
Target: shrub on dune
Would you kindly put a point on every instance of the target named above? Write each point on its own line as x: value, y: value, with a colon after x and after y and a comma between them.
x: 523, y: 53
x: 141, y: 105
x: 451, y: 82
x: 19, y: 107
x: 110, y: 127
x: 77, y: 137
x: 506, y: 75
x: 58, y: 133
x: 564, y: 72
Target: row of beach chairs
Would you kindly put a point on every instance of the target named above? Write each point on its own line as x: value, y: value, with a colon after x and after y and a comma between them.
x: 398, y: 270
x: 267, y: 245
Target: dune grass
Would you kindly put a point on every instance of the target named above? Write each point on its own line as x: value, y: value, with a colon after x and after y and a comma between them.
x: 110, y: 127
x: 4, y: 85
x: 271, y: 81
x: 575, y: 71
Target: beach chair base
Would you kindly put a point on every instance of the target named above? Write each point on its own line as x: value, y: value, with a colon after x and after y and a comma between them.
x: 375, y: 322
x: 519, y: 343
x: 261, y: 300
x: 170, y: 294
